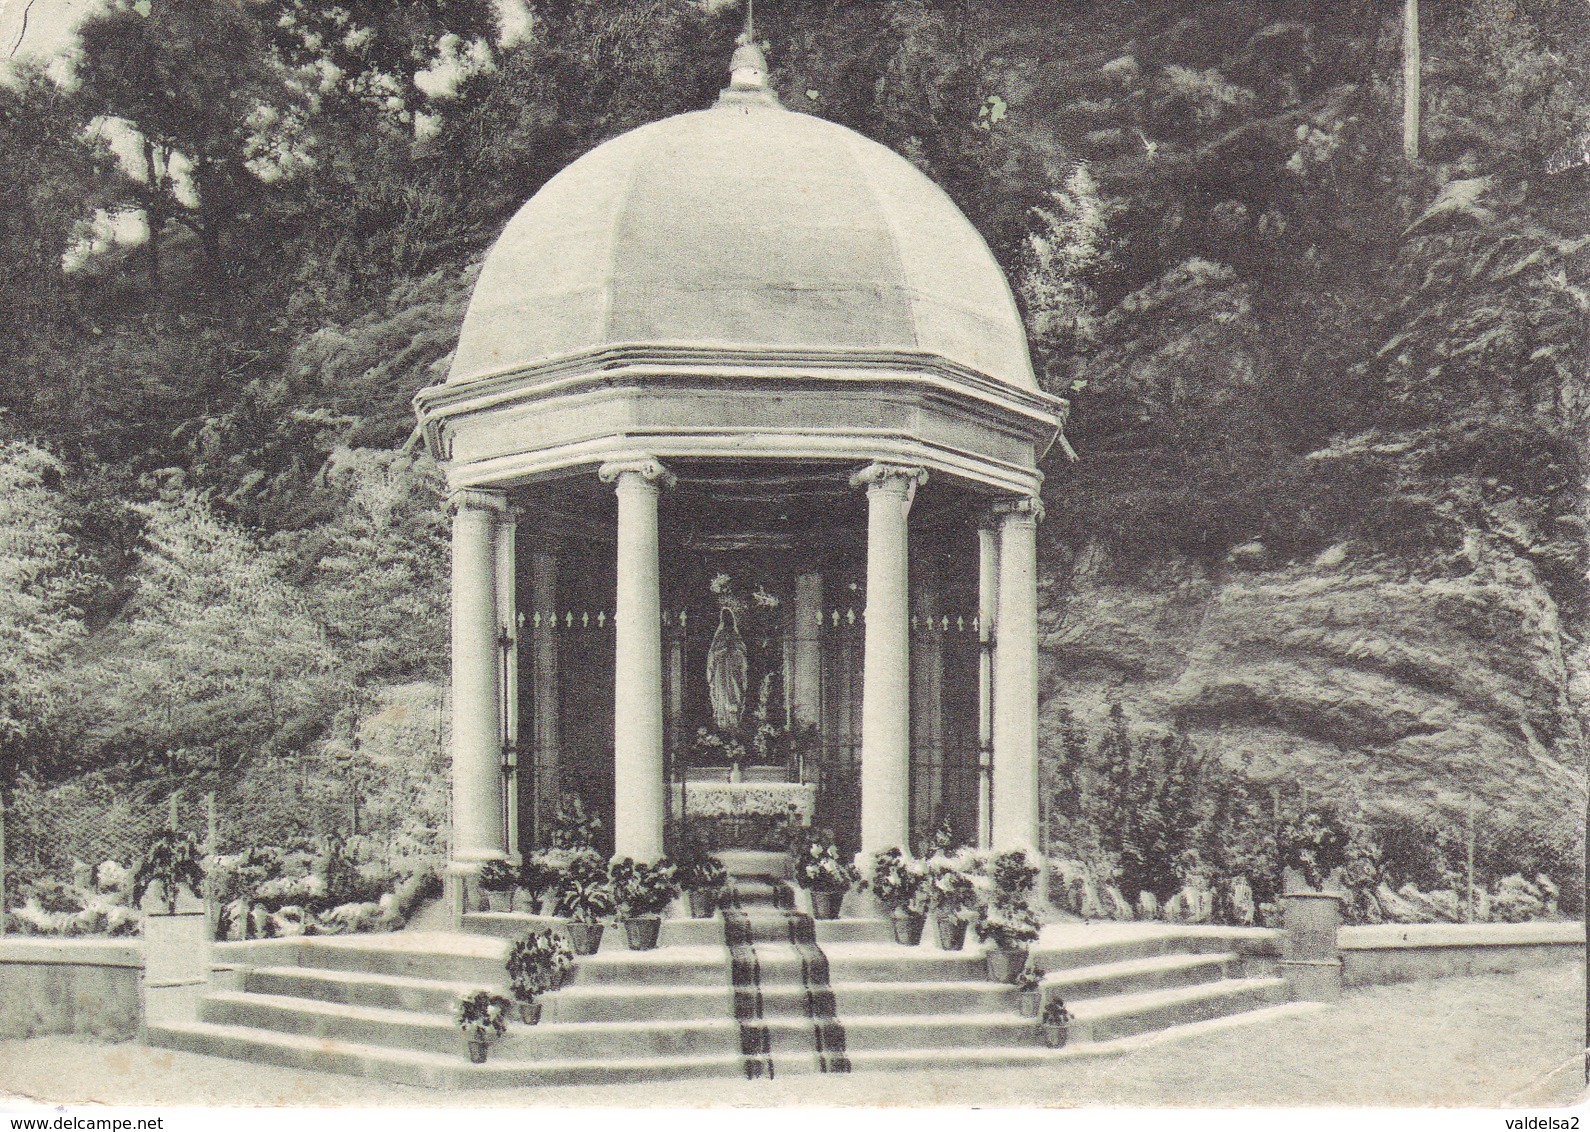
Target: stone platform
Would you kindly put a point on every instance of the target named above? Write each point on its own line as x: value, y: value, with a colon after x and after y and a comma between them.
x: 758, y: 991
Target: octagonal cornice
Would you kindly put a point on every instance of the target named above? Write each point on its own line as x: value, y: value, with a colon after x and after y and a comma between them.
x: 614, y: 403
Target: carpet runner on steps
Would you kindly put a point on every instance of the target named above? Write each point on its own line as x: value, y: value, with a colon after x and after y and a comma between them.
x: 756, y: 928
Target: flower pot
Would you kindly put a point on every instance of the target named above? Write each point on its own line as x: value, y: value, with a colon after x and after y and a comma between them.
x: 825, y: 904
x: 1054, y: 1036
x: 1028, y: 1003
x: 585, y: 938
x: 952, y: 932
x: 1005, y: 964
x: 908, y: 928
x: 641, y: 932
x: 498, y: 901
x: 529, y: 1013
x: 477, y: 1052
x: 703, y: 902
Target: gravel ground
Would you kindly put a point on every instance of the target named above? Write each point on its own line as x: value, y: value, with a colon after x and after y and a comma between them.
x: 1487, y: 1041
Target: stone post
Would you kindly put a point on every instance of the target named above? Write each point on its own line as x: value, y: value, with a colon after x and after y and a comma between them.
x: 477, y: 721
x: 1311, y: 960
x: 637, y: 674
x: 987, y: 612
x: 885, y: 691
x: 1015, y: 723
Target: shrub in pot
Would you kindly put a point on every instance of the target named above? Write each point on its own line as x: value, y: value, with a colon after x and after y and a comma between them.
x: 819, y: 868
x: 1010, y: 926
x: 497, y: 881
x: 170, y: 865
x: 900, y: 884
x: 539, y: 875
x: 702, y: 877
x: 1005, y: 916
x: 584, y: 896
x: 642, y: 893
x: 1055, y: 1023
x: 482, y: 1017
x: 1029, y: 990
x: 537, y: 964
x: 953, y: 900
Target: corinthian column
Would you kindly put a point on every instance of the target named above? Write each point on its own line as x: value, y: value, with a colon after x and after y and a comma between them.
x: 478, y: 833
x: 637, y: 670
x: 1015, y: 738
x: 886, y: 684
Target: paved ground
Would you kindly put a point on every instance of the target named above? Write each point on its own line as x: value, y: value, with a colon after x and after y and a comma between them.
x: 1490, y: 1041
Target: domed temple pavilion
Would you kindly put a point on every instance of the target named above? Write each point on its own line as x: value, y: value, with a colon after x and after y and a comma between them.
x: 743, y: 441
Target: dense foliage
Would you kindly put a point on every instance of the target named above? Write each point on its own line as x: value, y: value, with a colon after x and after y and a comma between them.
x: 245, y: 235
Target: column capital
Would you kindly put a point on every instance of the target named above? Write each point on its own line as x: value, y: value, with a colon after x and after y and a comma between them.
x: 1027, y: 508
x: 648, y: 469
x: 886, y: 477
x: 479, y: 499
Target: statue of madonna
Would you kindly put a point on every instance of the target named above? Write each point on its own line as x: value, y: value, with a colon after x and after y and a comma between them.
x: 727, y: 673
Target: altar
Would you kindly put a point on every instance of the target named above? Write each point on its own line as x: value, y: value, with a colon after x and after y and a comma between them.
x: 743, y: 814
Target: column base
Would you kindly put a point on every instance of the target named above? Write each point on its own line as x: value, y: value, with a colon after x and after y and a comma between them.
x: 461, y: 889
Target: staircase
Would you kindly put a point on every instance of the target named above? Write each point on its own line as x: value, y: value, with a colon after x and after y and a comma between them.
x: 760, y: 991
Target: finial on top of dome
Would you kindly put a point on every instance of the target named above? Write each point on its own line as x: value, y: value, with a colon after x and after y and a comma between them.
x: 748, y: 86
x: 748, y: 67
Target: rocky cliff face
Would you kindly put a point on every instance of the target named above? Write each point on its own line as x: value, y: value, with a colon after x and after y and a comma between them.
x: 1350, y: 673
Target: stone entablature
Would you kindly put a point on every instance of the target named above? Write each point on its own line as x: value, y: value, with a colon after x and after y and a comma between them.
x: 601, y: 406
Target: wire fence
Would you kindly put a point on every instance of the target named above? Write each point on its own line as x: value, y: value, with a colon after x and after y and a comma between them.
x: 72, y: 835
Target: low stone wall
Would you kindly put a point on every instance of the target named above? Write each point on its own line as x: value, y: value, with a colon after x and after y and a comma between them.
x: 1398, y: 953
x: 70, y: 986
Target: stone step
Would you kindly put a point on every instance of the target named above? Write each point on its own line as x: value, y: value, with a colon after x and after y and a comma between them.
x: 449, y: 958
x: 754, y: 863
x: 409, y: 1030
x: 621, y: 1003
x: 858, y: 1000
x: 357, y: 988
x: 1128, y: 976
x: 912, y: 1031
x: 1117, y: 947
x: 675, y: 932
x: 1125, y: 1015
x: 1036, y: 1054
x: 444, y: 1070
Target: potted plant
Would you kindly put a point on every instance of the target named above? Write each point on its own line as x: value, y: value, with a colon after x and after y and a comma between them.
x: 585, y: 897
x: 1055, y: 1023
x: 1029, y: 990
x: 703, y: 878
x: 539, y: 875
x: 169, y: 865
x: 821, y: 870
x: 900, y: 884
x: 952, y: 898
x: 642, y: 893
x: 1010, y: 925
x: 497, y: 881
x: 536, y: 964
x: 482, y: 1016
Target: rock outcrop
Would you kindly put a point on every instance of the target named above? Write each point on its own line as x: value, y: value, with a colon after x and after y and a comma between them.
x: 1350, y: 676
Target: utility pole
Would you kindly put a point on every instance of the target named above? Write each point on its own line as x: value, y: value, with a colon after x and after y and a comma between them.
x: 1410, y: 80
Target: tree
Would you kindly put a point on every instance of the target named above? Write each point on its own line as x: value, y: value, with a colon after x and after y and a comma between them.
x: 217, y: 658
x: 192, y: 81
x: 376, y: 575
x: 39, y: 620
